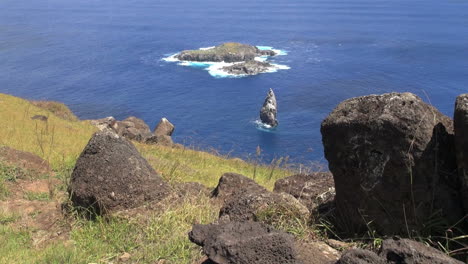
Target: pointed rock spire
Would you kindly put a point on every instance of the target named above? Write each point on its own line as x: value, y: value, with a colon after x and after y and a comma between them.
x: 269, y: 110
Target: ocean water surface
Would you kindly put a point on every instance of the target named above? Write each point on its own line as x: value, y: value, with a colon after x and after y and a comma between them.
x: 105, y: 57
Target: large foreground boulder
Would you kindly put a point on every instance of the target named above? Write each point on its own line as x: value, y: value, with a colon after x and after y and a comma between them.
x: 392, y: 158
x: 398, y: 251
x: 110, y: 174
x: 244, y: 243
x: 461, y: 144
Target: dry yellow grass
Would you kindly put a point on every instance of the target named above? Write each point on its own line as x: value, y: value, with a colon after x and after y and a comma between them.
x: 56, y: 140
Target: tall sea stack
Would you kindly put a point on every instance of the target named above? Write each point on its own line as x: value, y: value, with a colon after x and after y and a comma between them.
x: 269, y: 110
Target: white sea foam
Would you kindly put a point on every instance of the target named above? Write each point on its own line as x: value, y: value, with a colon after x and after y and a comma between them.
x: 263, y: 127
x: 215, y: 68
x: 264, y: 47
x: 277, y: 51
x: 261, y: 58
x: 208, y: 48
x: 216, y: 71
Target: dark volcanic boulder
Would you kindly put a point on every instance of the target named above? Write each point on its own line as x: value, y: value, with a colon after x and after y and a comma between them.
x: 110, y: 174
x: 392, y: 158
x: 397, y: 251
x: 244, y: 243
x: 133, y: 128
x: 269, y: 110
x: 252, y: 67
x: 164, y: 128
x: 231, y: 184
x: 227, y: 52
x: 244, y: 199
x: 263, y: 206
x: 409, y: 251
x: 310, y: 189
x: 461, y: 144
x: 160, y: 140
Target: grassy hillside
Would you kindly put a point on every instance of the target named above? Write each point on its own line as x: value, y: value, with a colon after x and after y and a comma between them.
x: 44, y: 235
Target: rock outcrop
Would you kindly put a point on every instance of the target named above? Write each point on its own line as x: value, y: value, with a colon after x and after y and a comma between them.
x: 110, y: 174
x: 227, y: 52
x: 245, y: 200
x: 164, y: 128
x: 136, y: 129
x: 232, y: 184
x: 396, y: 251
x: 392, y: 158
x: 461, y: 144
x: 251, y: 67
x: 107, y: 123
x: 269, y: 110
x: 244, y: 242
x: 310, y: 189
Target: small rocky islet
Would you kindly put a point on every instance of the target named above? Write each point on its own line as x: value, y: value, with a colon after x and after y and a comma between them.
x: 243, y: 59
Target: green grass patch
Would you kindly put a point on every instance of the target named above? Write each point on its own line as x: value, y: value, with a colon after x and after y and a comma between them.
x: 188, y: 165
x: 36, y: 196
x: 7, y: 218
x: 16, y: 245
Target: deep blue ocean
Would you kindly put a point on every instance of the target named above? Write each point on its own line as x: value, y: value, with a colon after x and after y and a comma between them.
x: 103, y: 58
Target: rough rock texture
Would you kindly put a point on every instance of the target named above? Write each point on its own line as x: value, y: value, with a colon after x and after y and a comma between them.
x: 392, y: 158
x: 360, y: 256
x: 231, y: 184
x: 316, y: 252
x: 134, y: 129
x: 164, y: 128
x: 105, y: 123
x: 269, y: 110
x: 111, y: 174
x: 460, y: 121
x: 398, y: 251
x: 161, y: 140
x: 227, y: 52
x: 244, y: 243
x: 263, y: 206
x: 244, y: 199
x: 252, y: 67
x: 310, y: 189
x: 410, y: 251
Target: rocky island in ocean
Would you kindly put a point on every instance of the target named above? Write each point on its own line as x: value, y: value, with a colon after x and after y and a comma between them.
x: 230, y: 59
x: 227, y: 52
x: 269, y: 110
